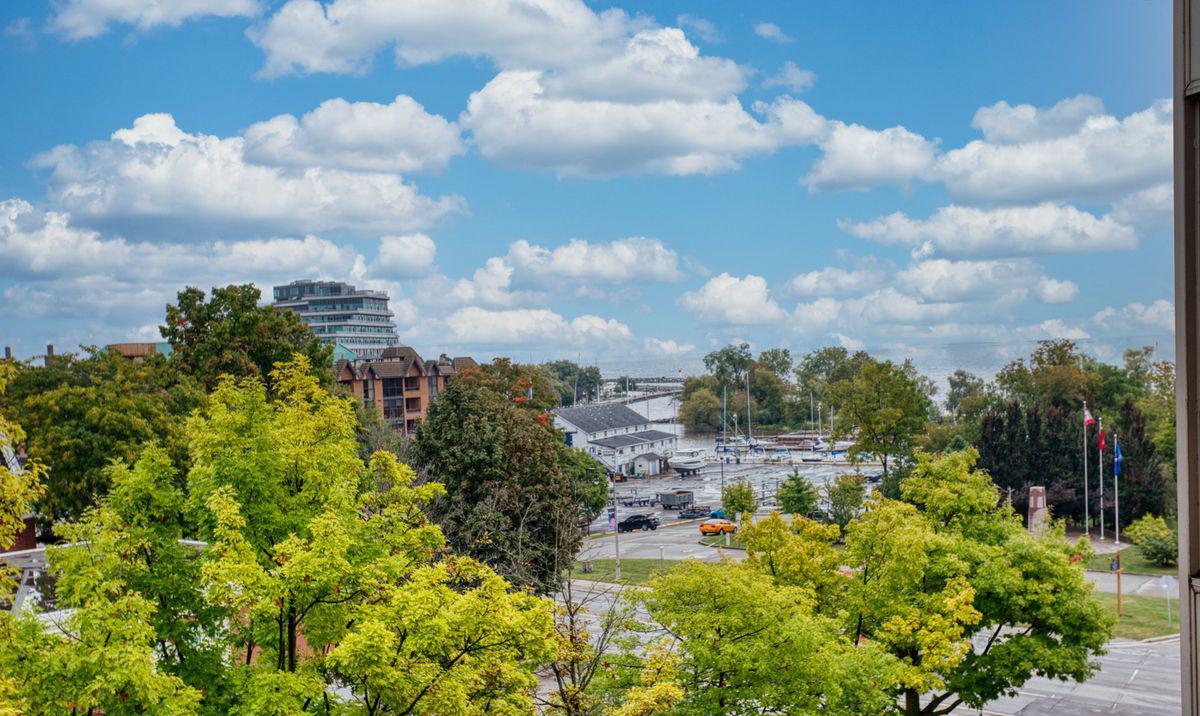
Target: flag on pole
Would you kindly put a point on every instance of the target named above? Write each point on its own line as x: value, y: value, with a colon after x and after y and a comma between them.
x: 1117, y: 457
x: 1102, y: 446
x: 1087, y: 416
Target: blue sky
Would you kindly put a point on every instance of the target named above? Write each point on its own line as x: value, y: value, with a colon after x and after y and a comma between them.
x: 946, y: 181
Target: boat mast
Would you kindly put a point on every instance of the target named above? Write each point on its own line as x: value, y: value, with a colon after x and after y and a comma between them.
x: 749, y: 422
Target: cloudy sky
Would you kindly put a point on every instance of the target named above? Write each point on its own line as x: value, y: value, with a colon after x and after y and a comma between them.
x: 951, y: 181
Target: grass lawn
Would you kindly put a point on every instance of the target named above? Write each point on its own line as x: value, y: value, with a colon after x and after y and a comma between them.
x: 633, y: 571
x: 719, y: 541
x: 1132, y: 562
x: 1143, y: 617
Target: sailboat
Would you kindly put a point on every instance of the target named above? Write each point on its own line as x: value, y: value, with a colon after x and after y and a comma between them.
x: 736, y: 443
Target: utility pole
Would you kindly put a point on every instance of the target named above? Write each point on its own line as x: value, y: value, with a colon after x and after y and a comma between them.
x: 724, y: 398
x: 1100, y: 469
x: 616, y: 526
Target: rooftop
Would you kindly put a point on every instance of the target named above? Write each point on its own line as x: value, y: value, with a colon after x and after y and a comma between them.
x: 594, y: 418
x: 620, y: 441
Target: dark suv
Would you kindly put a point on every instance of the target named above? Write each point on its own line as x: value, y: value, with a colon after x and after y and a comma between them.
x: 638, y: 522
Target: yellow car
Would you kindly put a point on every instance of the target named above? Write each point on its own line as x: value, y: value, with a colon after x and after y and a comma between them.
x: 717, y: 527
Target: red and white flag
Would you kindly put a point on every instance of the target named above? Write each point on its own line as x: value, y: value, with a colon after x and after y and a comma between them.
x: 1087, y: 417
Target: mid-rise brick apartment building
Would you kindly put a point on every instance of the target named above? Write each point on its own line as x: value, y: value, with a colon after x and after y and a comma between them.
x: 399, y: 383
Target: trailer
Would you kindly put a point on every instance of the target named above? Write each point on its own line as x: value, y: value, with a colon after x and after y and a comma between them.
x: 677, y: 500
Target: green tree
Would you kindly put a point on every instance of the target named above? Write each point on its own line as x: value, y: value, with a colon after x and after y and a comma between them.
x: 514, y: 490
x: 316, y: 591
x: 822, y: 368
x: 738, y: 500
x: 845, y: 496
x: 623, y: 384
x: 742, y: 644
x: 778, y: 361
x: 105, y: 656
x: 1144, y: 486
x: 771, y: 396
x: 927, y: 574
x: 126, y: 652
x: 1032, y: 598
x: 729, y: 366
x: 572, y: 381
x: 18, y: 488
x: 303, y: 547
x: 883, y: 409
x: 82, y: 413
x: 230, y: 333
x: 1158, y: 405
x: 701, y: 410
x: 798, y: 496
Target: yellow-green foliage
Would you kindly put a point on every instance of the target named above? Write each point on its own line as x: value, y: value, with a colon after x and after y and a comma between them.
x: 1156, y: 540
x: 322, y: 583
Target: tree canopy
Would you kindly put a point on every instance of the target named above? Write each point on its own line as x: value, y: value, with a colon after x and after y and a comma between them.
x: 229, y: 333
x: 319, y: 584
x: 516, y: 494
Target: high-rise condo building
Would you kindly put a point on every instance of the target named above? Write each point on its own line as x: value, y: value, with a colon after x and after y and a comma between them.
x: 340, y: 314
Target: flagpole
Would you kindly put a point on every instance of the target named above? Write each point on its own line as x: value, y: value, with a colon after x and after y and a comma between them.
x: 1087, y: 522
x: 1116, y: 490
x: 1100, y: 471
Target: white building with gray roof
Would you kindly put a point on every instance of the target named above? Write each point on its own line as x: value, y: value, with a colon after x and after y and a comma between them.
x: 624, y: 440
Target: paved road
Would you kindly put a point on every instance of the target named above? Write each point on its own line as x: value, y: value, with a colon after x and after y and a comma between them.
x: 1134, y: 678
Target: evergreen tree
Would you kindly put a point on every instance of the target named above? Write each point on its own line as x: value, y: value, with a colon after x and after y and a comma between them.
x: 1143, y: 486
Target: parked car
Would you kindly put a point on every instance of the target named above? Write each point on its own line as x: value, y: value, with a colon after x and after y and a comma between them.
x: 718, y: 527
x: 638, y: 522
x: 695, y: 511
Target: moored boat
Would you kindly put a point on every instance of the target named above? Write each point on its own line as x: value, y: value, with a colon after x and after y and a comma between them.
x: 687, y: 462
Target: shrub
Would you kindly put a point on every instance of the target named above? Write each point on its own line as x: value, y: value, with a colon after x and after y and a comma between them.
x: 1156, y: 540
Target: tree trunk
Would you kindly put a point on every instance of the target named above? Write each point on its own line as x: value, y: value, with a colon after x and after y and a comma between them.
x: 291, y: 637
x: 912, y: 703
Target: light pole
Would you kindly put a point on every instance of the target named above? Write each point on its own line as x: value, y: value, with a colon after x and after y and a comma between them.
x: 612, y: 520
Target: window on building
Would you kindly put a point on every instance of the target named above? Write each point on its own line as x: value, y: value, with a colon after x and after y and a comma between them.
x: 393, y: 387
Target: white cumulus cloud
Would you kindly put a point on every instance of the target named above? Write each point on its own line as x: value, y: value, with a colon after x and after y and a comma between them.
x: 344, y: 35
x: 80, y: 19
x: 532, y: 327
x: 1104, y: 159
x: 1137, y: 318
x: 857, y: 158
x: 156, y: 178
x: 732, y: 300
x: 1003, y: 123
x: 834, y: 281
x: 666, y: 347
x: 634, y: 258
x: 367, y: 136
x: 405, y: 256
x: 1014, y: 231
